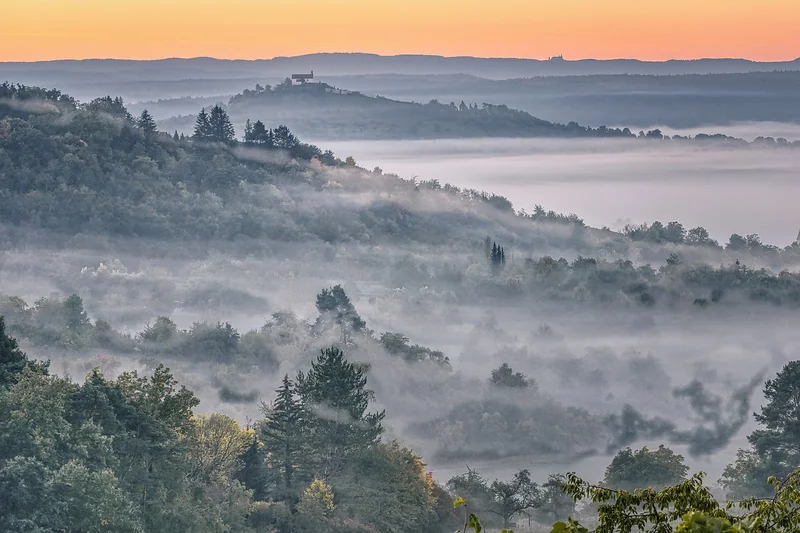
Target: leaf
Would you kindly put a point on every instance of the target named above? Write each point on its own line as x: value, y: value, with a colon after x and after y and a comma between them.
x: 458, y: 503
x: 506, y: 531
x: 559, y: 527
x: 474, y: 523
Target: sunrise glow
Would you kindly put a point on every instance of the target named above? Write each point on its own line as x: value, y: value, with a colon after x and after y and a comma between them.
x: 763, y: 30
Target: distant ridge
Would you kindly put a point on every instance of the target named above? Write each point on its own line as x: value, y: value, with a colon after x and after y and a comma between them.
x: 333, y: 64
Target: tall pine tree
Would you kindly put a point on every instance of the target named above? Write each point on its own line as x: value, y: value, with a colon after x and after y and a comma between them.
x: 202, y: 126
x: 147, y: 124
x: 334, y: 392
x: 260, y: 134
x: 220, y: 125
x: 252, y: 471
x: 283, y: 436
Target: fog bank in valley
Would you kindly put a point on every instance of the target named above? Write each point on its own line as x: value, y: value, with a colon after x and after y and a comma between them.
x: 612, y: 183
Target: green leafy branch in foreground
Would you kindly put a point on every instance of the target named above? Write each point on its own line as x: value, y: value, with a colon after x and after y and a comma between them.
x: 688, y: 507
x: 471, y: 520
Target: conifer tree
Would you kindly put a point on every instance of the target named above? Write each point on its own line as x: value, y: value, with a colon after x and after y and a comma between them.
x: 202, y: 126
x: 75, y: 315
x: 497, y: 258
x: 260, y: 134
x: 221, y: 129
x: 248, y: 132
x: 282, y: 434
x: 334, y: 390
x: 284, y: 138
x: 147, y: 124
x: 252, y: 472
x: 175, y: 137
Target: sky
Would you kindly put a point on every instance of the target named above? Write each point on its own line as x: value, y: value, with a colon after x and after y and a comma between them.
x: 762, y: 30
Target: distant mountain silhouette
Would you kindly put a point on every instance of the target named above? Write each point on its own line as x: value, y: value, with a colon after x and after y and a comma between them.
x: 359, y: 63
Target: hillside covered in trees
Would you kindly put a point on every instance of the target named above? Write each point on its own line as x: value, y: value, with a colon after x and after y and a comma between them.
x: 321, y: 111
x: 200, y: 380
x: 131, y: 453
x: 94, y: 170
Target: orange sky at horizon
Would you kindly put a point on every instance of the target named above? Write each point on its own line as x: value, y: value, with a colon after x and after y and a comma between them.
x: 763, y: 30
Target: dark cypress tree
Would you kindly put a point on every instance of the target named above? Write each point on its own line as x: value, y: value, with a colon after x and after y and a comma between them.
x: 220, y: 125
x: 497, y: 258
x: 252, y: 472
x: 248, y: 132
x: 202, y: 127
x: 334, y: 390
x: 13, y: 361
x: 282, y: 435
x: 147, y: 124
x: 175, y: 137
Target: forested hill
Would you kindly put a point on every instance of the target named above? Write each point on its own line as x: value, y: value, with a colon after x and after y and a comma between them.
x: 94, y: 169
x: 321, y: 111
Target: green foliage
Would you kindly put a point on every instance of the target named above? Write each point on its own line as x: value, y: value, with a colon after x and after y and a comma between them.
x: 497, y: 258
x: 202, y: 127
x: 283, y: 433
x: 398, y: 344
x: 387, y: 487
x: 147, y: 124
x: 220, y: 128
x: 644, y: 468
x: 336, y: 308
x: 13, y: 361
x: 316, y: 507
x: 553, y: 505
x: 504, y: 376
x: 334, y: 392
x: 687, y: 506
x: 776, y: 446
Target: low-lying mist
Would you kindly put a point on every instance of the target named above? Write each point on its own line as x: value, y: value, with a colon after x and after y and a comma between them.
x: 612, y: 183
x: 209, y: 256
x: 600, y: 380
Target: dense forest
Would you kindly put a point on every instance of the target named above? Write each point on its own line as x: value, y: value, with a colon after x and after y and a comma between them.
x: 138, y: 258
x: 92, y: 169
x: 130, y: 454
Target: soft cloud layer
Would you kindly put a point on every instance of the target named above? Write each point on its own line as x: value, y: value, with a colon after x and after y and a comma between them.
x: 613, y: 182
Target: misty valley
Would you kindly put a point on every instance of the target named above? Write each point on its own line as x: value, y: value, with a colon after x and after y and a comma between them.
x: 303, y: 310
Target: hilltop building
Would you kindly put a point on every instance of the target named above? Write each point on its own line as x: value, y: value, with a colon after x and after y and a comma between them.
x: 302, y: 79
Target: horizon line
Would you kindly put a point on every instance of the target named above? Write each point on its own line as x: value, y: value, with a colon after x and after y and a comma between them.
x: 406, y: 55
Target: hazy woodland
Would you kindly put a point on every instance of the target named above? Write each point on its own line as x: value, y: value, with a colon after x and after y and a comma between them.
x: 514, y: 305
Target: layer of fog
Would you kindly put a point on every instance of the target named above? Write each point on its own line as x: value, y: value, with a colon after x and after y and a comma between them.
x: 599, y: 360
x: 743, y: 130
x: 612, y: 183
x: 640, y: 362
